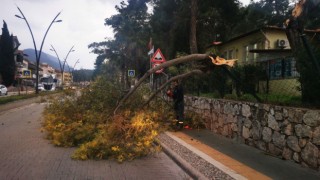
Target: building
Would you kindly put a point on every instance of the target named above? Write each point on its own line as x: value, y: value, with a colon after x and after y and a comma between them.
x: 67, y: 78
x: 269, y: 48
x: 47, y: 70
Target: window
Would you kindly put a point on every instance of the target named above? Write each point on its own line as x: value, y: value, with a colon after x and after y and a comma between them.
x: 230, y: 54
x: 282, y: 68
x: 255, y: 55
x: 250, y: 47
x: 246, y: 53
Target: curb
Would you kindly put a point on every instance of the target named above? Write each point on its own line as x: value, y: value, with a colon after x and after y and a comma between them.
x: 195, y: 174
x: 207, y: 158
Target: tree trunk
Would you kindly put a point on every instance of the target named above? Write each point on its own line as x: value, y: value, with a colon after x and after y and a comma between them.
x: 193, y: 27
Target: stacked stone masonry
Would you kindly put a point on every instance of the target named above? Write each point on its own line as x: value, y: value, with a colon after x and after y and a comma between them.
x: 286, y: 132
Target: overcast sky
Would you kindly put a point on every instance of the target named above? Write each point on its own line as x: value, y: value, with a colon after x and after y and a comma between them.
x: 82, y: 23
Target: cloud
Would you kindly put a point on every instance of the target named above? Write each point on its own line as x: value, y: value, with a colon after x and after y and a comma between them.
x: 82, y: 23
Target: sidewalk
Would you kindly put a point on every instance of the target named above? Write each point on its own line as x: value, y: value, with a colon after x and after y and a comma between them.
x: 239, y: 161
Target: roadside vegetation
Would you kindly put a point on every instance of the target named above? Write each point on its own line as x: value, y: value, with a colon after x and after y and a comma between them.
x: 8, y: 99
x: 86, y: 121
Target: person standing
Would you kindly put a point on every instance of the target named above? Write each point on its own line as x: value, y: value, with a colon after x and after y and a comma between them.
x: 177, y: 95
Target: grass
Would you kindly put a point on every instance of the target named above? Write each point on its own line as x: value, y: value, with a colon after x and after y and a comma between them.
x: 277, y: 99
x: 8, y: 99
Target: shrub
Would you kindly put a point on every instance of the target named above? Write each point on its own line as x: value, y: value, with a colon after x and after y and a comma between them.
x: 128, y: 136
x: 86, y: 120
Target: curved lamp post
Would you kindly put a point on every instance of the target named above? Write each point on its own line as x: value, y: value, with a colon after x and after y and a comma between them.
x: 64, y: 62
x: 38, y: 54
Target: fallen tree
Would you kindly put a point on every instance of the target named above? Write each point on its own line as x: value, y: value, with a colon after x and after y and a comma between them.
x: 184, y: 59
x: 181, y: 76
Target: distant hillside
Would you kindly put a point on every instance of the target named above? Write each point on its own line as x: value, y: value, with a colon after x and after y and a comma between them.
x: 45, y: 58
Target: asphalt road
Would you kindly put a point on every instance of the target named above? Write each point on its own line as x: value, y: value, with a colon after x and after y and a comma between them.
x: 26, y: 154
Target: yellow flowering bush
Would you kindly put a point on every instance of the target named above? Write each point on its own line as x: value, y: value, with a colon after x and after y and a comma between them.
x: 86, y: 121
x: 128, y: 136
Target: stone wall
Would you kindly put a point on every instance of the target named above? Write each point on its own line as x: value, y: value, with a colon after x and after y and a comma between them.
x: 286, y: 132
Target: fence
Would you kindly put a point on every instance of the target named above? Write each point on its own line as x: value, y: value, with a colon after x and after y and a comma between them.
x: 248, y: 83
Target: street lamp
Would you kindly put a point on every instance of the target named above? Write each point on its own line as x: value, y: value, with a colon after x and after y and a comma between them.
x: 38, y: 55
x: 64, y: 62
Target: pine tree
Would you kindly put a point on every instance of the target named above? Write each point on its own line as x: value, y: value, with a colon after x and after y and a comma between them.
x: 7, y: 63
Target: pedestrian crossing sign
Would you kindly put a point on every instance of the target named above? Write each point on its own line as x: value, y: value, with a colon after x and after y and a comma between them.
x: 131, y: 73
x: 26, y: 74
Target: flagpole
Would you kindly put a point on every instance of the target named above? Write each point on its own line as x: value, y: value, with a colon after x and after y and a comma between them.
x: 150, y: 53
x: 151, y: 77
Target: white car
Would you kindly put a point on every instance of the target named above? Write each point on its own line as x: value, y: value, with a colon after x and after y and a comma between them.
x: 3, y: 90
x: 41, y: 87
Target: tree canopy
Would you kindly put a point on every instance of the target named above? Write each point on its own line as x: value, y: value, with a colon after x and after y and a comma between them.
x: 180, y: 27
x: 7, y: 63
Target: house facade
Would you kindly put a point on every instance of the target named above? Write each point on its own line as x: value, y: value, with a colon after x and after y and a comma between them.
x: 268, y: 48
x: 67, y: 78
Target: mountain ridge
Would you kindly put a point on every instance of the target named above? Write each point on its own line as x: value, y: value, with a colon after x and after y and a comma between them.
x: 45, y: 58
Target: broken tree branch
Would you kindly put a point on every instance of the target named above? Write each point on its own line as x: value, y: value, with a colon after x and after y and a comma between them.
x: 189, y: 58
x: 181, y: 76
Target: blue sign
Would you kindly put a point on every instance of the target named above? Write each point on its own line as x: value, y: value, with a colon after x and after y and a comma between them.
x: 26, y: 73
x: 131, y: 73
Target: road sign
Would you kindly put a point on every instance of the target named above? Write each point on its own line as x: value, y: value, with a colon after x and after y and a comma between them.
x: 157, y: 64
x: 131, y: 73
x: 158, y: 57
x: 26, y: 73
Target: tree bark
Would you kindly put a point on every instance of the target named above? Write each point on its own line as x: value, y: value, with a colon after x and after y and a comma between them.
x: 193, y: 27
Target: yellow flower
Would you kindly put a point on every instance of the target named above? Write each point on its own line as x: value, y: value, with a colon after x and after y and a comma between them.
x: 154, y: 133
x: 115, y: 148
x: 147, y: 143
x: 94, y: 143
x: 120, y: 158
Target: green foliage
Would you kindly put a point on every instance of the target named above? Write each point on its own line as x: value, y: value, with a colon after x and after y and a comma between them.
x: 82, y: 75
x: 309, y: 77
x: 277, y: 99
x: 7, y: 63
x: 262, y: 13
x: 194, y: 120
x: 246, y: 78
x: 8, y: 99
x: 87, y: 121
x: 129, y: 47
x: 13, y: 98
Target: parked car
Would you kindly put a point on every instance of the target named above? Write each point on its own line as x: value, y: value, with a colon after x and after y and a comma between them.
x: 41, y: 87
x: 3, y: 90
